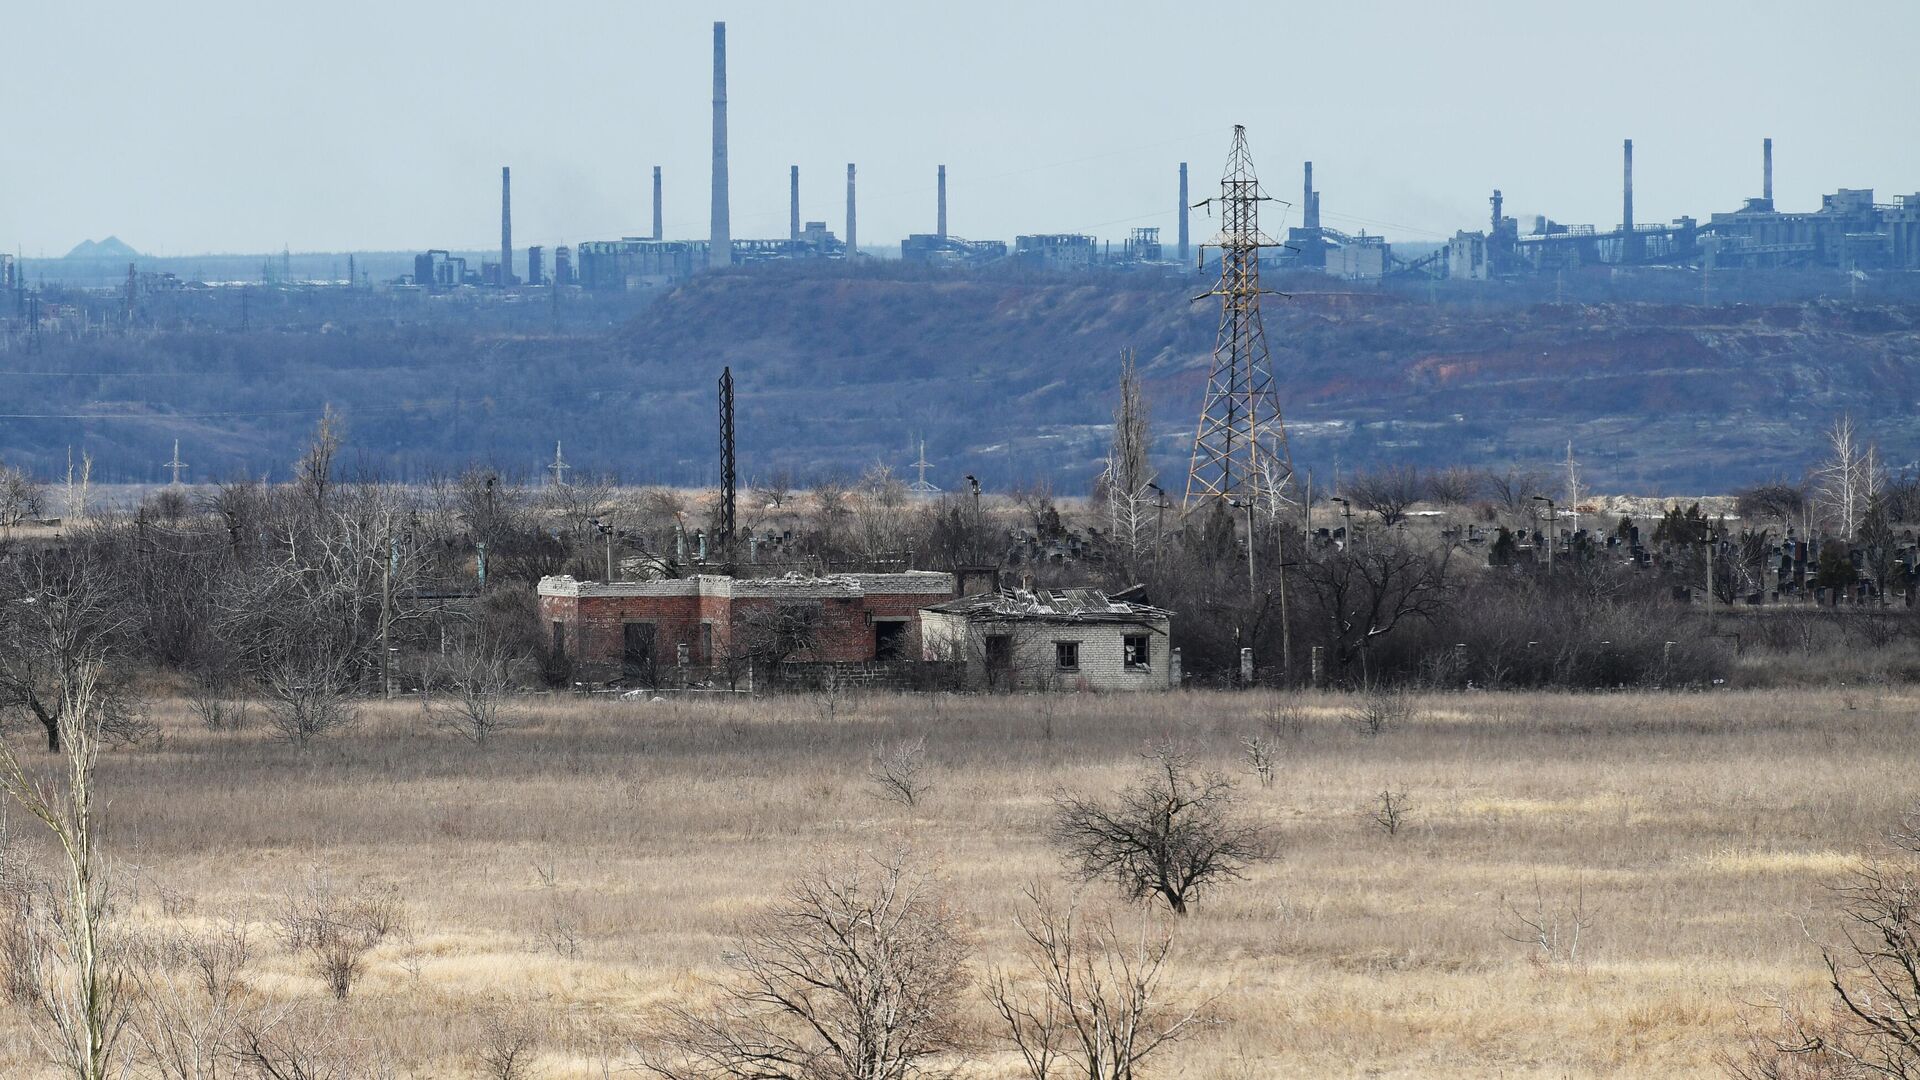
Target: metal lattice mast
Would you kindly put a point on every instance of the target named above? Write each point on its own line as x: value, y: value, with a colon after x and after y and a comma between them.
x: 1240, y: 450
x: 559, y: 467
x: 175, y: 463
x: 727, y: 478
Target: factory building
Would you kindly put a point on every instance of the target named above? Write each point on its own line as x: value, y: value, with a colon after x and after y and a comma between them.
x: 1056, y: 251
x: 1849, y: 232
x: 635, y: 263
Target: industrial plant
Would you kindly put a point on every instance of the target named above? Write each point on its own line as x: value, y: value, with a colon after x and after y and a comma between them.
x: 1849, y: 231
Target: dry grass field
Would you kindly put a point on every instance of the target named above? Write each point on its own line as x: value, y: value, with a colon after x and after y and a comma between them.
x: 591, y: 864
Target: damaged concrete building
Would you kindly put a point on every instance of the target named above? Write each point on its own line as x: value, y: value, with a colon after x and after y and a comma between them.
x: 1053, y: 639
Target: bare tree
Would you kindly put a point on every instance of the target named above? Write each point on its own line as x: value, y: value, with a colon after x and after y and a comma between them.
x: 1173, y: 833
x: 1388, y: 491
x: 898, y: 773
x: 1513, y: 488
x: 774, y: 490
x: 1128, y: 476
x: 1454, y: 485
x: 313, y: 473
x: 1390, y: 810
x: 22, y: 498
x: 61, y: 623
x: 81, y: 985
x: 855, y: 975
x: 1848, y: 478
x: 1092, y: 1001
x: 1364, y: 592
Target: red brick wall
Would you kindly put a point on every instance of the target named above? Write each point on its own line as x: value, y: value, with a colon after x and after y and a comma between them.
x: 595, y: 637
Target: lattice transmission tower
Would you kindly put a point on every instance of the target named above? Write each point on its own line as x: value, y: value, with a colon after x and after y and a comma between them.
x: 1240, y: 451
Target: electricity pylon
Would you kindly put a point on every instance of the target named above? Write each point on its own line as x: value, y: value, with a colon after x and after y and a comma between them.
x: 1240, y: 451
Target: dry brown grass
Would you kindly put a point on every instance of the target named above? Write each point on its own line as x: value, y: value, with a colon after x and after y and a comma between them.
x: 591, y: 864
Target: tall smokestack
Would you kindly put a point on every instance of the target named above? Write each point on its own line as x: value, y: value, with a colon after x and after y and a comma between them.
x: 1766, y: 167
x: 506, y: 226
x: 720, y: 243
x: 943, y: 202
x: 1309, y: 202
x: 1182, y: 218
x: 853, y: 238
x: 1626, y: 198
x: 657, y: 233
x: 793, y: 202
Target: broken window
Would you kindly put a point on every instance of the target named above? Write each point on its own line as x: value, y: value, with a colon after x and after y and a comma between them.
x: 1137, y: 649
x: 559, y: 640
x: 1066, y: 655
x: 890, y: 640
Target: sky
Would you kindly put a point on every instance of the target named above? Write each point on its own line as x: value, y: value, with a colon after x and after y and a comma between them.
x: 203, y: 127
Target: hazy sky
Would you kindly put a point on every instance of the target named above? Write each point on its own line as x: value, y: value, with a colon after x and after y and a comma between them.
x: 197, y: 127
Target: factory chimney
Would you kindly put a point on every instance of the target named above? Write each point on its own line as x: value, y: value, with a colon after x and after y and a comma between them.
x: 1309, y: 203
x: 1766, y: 171
x: 657, y: 234
x: 1183, y: 213
x: 720, y: 242
x: 1626, y: 199
x: 943, y: 202
x: 793, y: 202
x: 853, y: 240
x: 506, y: 227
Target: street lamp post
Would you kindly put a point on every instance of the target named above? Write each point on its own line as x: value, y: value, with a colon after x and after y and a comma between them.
x: 605, y: 530
x: 1550, y: 526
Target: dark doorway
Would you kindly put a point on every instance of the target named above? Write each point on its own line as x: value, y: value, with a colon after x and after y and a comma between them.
x: 636, y: 653
x: 890, y: 641
x: 999, y: 660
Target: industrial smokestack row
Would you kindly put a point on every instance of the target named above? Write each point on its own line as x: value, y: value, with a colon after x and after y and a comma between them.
x: 720, y: 242
x: 943, y: 202
x: 506, y: 226
x: 657, y: 233
x: 793, y: 202
x: 853, y: 237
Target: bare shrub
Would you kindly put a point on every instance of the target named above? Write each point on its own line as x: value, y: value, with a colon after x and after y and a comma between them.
x: 1091, y: 1000
x: 855, y: 974
x: 559, y: 932
x: 1173, y: 833
x: 1285, y: 721
x: 1871, y: 1027
x: 307, y: 697
x: 1376, y: 711
x: 1390, y: 810
x: 1554, y: 927
x: 301, y: 1044
x: 336, y: 928
x: 22, y: 947
x: 479, y: 675
x: 1388, y: 491
x: 1261, y: 757
x: 899, y: 773
x: 508, y: 1041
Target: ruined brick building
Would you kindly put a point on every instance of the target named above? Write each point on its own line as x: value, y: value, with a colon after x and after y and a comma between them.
x: 708, y: 625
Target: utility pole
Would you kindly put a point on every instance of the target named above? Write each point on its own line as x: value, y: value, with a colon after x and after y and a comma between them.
x: 605, y: 530
x: 559, y: 467
x: 1240, y: 424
